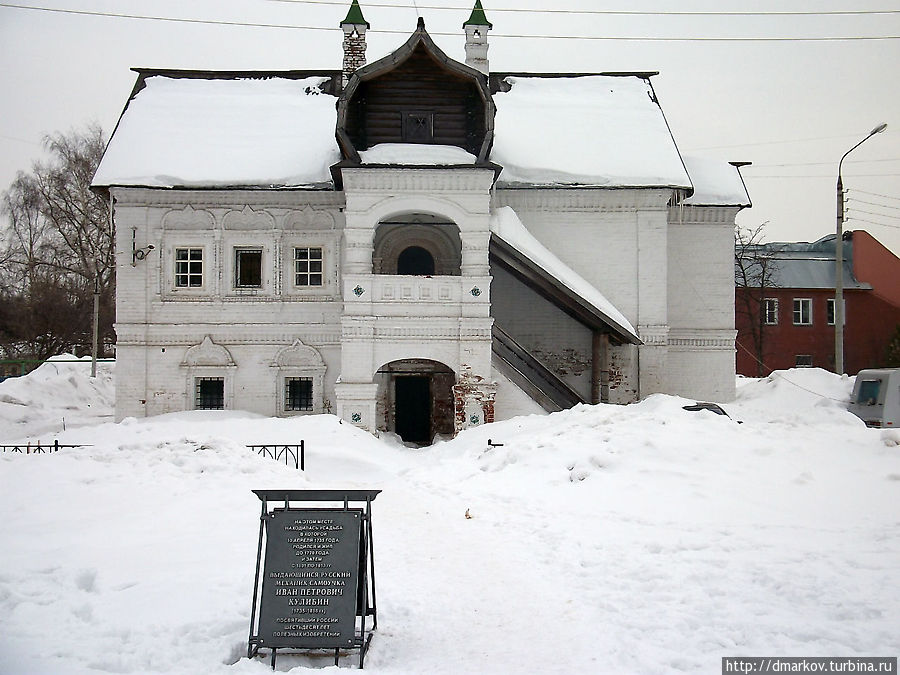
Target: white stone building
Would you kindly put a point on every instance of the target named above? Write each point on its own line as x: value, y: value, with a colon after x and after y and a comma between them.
x: 416, y: 245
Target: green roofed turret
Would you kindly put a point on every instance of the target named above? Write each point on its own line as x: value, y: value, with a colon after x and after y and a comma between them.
x: 355, y: 16
x: 477, y: 18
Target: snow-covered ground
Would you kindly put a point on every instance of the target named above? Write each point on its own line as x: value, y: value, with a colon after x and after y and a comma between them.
x: 604, y: 539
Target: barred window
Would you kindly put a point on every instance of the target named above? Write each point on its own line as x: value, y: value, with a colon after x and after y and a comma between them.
x: 298, y: 393
x: 188, y: 267
x: 209, y: 393
x: 308, y: 267
x: 248, y: 268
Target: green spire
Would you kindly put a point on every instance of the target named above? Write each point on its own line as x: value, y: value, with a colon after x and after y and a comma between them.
x: 477, y: 18
x: 355, y: 15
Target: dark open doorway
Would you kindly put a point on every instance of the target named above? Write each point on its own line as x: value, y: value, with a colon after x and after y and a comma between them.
x: 415, y: 260
x: 412, y: 397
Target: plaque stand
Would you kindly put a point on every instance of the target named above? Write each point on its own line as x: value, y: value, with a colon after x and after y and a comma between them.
x: 315, y: 573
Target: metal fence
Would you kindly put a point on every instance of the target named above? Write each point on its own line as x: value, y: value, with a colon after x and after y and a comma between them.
x: 288, y: 453
x: 37, y: 449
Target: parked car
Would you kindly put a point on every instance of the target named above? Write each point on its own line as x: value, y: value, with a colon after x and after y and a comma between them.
x: 876, y: 397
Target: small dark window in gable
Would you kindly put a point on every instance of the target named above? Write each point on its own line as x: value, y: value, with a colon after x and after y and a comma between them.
x: 418, y: 127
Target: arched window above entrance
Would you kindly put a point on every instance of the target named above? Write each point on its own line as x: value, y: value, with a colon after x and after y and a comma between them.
x: 417, y: 244
x: 415, y: 260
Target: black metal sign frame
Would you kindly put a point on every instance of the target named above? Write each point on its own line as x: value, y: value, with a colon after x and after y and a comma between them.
x: 315, y: 586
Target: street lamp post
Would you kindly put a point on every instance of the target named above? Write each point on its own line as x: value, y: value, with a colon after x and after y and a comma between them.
x: 839, y: 261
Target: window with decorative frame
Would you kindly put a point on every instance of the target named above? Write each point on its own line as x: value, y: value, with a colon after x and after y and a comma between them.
x: 308, y: 266
x: 802, y: 311
x: 298, y: 394
x: 247, y: 267
x: 209, y: 393
x: 188, y: 267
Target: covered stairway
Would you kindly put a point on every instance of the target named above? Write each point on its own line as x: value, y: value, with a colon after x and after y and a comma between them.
x: 517, y: 253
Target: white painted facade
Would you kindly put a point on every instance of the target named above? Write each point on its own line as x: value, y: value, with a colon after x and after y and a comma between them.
x: 296, y: 299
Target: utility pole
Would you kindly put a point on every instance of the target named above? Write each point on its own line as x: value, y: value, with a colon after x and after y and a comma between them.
x: 839, y: 261
x: 95, y: 342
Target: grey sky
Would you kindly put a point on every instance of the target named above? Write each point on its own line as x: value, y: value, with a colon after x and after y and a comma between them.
x: 791, y: 107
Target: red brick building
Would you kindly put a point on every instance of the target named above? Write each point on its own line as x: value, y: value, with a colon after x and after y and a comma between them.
x: 785, y: 315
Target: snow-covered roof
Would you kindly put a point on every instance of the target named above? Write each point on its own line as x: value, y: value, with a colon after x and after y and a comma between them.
x: 276, y: 131
x: 716, y: 183
x: 506, y: 225
x: 223, y: 132
x: 598, y: 130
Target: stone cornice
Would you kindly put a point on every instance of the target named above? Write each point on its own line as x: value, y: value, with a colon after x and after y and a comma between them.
x: 202, y: 199
x: 226, y: 334
x: 703, y: 215
x: 583, y: 199
x: 698, y: 339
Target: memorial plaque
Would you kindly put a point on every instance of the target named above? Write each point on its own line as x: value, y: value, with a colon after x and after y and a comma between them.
x: 314, y: 586
x: 310, y: 579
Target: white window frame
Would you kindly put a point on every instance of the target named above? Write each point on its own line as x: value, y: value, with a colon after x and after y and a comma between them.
x: 773, y: 302
x: 176, y: 274
x: 829, y: 311
x: 309, y: 260
x: 799, y: 304
x: 328, y: 243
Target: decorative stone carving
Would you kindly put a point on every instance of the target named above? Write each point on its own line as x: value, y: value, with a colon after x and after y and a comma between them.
x: 207, y: 353
x: 248, y: 219
x: 309, y: 218
x: 298, y: 355
x: 188, y: 218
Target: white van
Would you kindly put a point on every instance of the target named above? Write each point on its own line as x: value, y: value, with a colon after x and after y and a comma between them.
x: 876, y: 397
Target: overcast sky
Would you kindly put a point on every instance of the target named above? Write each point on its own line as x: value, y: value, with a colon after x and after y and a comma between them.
x: 792, y: 105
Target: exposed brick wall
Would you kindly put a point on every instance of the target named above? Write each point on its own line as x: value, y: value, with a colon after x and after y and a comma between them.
x: 354, y: 53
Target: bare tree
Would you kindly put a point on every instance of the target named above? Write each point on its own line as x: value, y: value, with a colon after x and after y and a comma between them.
x: 755, y: 273
x: 57, y: 250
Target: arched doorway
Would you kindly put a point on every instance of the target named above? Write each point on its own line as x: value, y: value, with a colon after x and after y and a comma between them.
x: 415, y: 260
x: 415, y: 399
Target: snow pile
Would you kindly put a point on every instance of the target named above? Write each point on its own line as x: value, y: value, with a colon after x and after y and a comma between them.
x: 506, y: 225
x: 416, y: 154
x: 597, y: 130
x: 58, y: 394
x: 799, y: 396
x: 194, y: 132
x: 602, y: 539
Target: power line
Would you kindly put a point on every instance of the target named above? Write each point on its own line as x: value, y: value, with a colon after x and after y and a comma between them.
x: 604, y: 12
x: 852, y: 161
x: 869, y: 213
x: 875, y: 204
x: 874, y: 194
x: 214, y: 22
x: 796, y: 140
x: 872, y: 222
